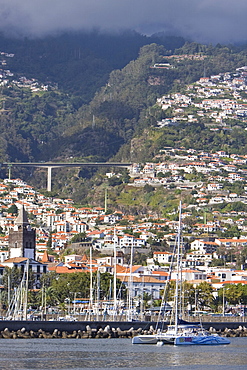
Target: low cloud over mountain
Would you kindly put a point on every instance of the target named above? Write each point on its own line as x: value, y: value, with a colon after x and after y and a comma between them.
x: 200, y: 20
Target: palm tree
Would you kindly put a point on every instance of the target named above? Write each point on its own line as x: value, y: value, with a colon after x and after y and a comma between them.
x: 146, y: 297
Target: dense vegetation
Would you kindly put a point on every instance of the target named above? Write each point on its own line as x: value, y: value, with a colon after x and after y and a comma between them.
x: 62, y: 289
x: 59, y: 288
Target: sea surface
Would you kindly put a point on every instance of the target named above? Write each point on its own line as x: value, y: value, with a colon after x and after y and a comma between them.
x: 75, y: 354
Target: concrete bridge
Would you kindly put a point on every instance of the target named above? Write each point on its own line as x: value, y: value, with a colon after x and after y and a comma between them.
x: 50, y: 165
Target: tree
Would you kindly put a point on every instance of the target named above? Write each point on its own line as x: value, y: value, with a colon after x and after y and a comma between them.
x: 77, y: 238
x: 13, y: 209
x: 161, y: 174
x: 115, y: 181
x: 51, y: 296
x: 148, y: 188
x: 233, y: 293
x: 12, y: 277
x: 204, y: 295
x: 146, y: 299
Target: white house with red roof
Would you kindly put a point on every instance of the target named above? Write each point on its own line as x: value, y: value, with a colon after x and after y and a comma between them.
x: 190, y: 275
x: 227, y: 275
x: 203, y: 246
x: 160, y: 275
x: 95, y: 234
x: 234, y: 242
x: 162, y: 257
x: 143, y: 284
x: 197, y: 259
x: 128, y: 240
x: 79, y: 226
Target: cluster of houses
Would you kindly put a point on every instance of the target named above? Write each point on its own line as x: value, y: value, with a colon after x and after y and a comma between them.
x: 151, y: 277
x: 219, y: 167
x: 8, y: 78
x: 44, y: 224
x: 217, y: 98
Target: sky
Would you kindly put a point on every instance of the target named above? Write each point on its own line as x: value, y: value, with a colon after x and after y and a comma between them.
x: 206, y: 21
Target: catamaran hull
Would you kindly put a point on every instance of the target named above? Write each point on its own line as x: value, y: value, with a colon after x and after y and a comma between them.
x: 152, y: 339
x: 201, y: 340
x: 145, y: 339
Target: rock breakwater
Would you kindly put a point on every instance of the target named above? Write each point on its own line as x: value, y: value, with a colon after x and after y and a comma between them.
x: 102, y: 332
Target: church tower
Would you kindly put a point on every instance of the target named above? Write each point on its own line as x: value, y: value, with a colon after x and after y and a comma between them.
x: 22, y: 239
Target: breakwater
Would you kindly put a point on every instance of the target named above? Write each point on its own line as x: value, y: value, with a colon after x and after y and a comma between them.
x: 96, y: 329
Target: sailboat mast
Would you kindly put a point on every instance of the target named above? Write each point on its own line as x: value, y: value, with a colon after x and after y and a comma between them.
x: 26, y: 290
x: 91, y: 279
x: 131, y: 283
x: 178, y: 268
x: 115, y: 274
x: 98, y: 295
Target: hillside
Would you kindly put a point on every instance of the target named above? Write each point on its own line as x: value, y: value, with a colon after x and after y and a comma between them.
x: 64, y: 73
x: 93, y: 97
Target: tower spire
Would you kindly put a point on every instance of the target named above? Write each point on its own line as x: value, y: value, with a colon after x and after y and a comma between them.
x: 22, y: 217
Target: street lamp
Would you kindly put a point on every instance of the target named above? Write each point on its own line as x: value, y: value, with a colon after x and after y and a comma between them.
x: 223, y: 304
x: 67, y: 301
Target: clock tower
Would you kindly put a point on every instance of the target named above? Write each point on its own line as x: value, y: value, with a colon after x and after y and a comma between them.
x: 22, y: 239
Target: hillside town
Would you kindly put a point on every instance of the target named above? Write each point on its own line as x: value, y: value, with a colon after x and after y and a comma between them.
x: 216, y: 100
x: 52, y: 226
x: 55, y: 235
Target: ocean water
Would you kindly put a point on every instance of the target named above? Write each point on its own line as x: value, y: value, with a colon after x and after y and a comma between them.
x: 75, y: 354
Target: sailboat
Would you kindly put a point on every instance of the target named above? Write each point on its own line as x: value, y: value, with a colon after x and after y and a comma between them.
x: 181, y: 332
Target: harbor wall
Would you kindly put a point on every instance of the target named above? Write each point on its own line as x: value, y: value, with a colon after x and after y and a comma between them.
x: 70, y: 326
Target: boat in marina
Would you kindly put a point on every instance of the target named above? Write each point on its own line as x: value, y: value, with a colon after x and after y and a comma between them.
x: 168, y: 335
x: 180, y: 332
x: 199, y: 336
x: 165, y: 336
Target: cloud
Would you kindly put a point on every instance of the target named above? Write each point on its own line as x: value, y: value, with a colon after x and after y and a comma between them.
x: 201, y: 20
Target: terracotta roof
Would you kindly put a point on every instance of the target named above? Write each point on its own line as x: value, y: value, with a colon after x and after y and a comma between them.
x: 234, y: 282
x: 84, y: 258
x: 127, y: 270
x: 16, y: 260
x: 160, y: 273
x: 45, y: 257
x: 170, y: 253
x: 142, y: 279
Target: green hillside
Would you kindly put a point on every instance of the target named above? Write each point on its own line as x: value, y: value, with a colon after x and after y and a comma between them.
x: 99, y: 101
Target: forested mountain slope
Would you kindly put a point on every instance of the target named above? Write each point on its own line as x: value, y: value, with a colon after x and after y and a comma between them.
x: 38, y: 125
x: 100, y: 95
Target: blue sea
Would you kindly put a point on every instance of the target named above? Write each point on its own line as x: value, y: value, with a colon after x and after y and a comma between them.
x: 75, y: 354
